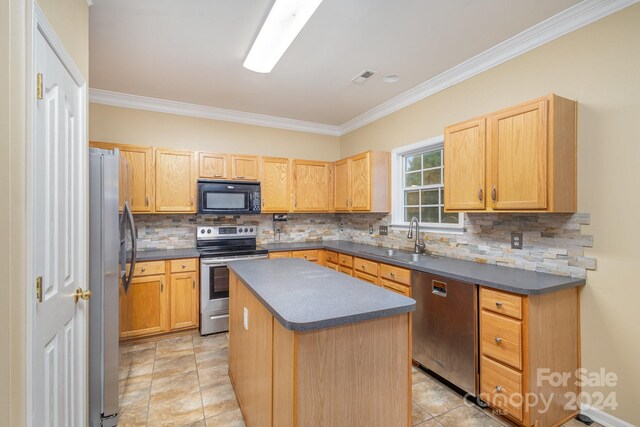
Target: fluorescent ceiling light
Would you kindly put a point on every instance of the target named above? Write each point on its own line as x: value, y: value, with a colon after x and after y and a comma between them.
x: 285, y: 20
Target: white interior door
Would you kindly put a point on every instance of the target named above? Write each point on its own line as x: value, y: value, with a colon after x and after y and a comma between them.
x: 59, y: 348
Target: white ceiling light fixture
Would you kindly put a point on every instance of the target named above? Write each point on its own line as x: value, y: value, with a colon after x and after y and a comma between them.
x: 286, y: 19
x: 391, y: 78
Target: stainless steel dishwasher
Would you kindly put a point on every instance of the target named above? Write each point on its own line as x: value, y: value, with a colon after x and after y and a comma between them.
x: 445, y: 326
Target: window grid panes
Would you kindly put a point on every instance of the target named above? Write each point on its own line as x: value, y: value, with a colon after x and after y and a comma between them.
x: 423, y: 188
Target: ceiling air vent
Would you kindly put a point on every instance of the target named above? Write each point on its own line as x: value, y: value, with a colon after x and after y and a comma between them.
x: 363, y: 76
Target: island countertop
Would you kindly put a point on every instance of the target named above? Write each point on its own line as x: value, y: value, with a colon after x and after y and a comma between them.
x: 304, y: 296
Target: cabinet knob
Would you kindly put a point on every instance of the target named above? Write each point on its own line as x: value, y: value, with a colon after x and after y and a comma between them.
x: 143, y: 269
x: 364, y: 267
x: 498, y: 304
x: 498, y: 340
x: 392, y: 274
x: 498, y: 388
x: 480, y: 194
x: 193, y: 284
x: 161, y: 286
x: 240, y: 177
x: 146, y: 200
x: 217, y: 176
x: 184, y: 266
x: 305, y: 257
x: 494, y: 193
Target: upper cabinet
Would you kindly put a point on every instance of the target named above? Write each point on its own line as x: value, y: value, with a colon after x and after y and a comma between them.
x: 362, y: 183
x: 213, y: 166
x: 311, y: 186
x: 525, y: 161
x: 244, y: 168
x: 276, y: 184
x: 175, y: 181
x: 140, y: 161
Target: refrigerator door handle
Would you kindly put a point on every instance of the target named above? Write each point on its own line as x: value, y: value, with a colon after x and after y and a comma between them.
x: 126, y: 279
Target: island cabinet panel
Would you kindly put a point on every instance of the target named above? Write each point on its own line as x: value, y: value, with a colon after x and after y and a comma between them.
x: 518, y: 339
x: 175, y: 181
x: 213, y: 166
x: 311, y: 186
x: 350, y: 375
x: 276, y: 184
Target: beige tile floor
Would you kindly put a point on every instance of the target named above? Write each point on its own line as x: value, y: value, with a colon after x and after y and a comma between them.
x: 183, y: 381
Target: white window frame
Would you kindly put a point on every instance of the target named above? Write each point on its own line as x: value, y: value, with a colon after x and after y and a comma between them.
x: 397, y: 194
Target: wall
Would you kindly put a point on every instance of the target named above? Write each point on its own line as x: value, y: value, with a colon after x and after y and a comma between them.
x: 597, y: 66
x: 129, y: 126
x: 70, y: 20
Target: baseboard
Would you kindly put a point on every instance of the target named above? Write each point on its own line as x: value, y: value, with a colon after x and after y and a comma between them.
x: 602, y: 417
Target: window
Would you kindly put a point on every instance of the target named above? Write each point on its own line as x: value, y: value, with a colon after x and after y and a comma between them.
x: 419, y: 188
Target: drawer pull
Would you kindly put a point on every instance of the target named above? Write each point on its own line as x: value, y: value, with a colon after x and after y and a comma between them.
x: 498, y: 388
x: 364, y: 267
x: 142, y: 269
x: 305, y: 257
x: 498, y: 340
x: 498, y: 304
x: 184, y: 266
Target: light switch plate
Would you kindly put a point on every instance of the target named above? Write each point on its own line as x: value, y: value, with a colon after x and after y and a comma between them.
x: 246, y: 319
x: 384, y: 230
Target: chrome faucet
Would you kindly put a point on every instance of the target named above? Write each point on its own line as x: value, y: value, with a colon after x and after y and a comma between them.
x: 420, y: 245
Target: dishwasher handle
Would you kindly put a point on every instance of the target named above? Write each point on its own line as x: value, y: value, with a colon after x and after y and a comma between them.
x: 439, y: 288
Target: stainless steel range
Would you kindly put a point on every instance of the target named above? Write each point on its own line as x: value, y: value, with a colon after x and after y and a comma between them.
x: 218, y: 246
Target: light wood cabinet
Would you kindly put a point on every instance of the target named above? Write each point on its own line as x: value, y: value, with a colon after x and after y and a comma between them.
x: 275, y: 184
x: 143, y: 308
x: 311, y: 255
x: 465, y: 149
x: 277, y: 255
x: 245, y: 168
x: 529, y: 154
x: 175, y: 181
x: 184, y: 300
x: 362, y: 183
x: 212, y: 166
x: 311, y: 186
x: 141, y: 164
x: 516, y: 333
x: 163, y: 297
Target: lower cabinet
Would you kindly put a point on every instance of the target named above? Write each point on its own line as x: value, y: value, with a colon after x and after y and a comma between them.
x: 314, y: 255
x: 163, y: 297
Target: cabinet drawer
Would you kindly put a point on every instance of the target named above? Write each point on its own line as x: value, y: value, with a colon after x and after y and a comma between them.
x: 308, y: 255
x: 365, y: 266
x: 332, y: 257
x: 395, y: 274
x: 396, y: 287
x: 346, y: 270
x: 499, y: 383
x: 346, y: 260
x: 366, y: 277
x: 333, y: 266
x: 148, y: 268
x: 275, y: 255
x: 183, y: 265
x: 501, y: 338
x: 501, y: 302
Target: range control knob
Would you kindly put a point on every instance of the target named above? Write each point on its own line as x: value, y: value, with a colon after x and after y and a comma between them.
x: 239, y: 230
x: 246, y: 230
x: 208, y: 231
x: 251, y: 230
x: 202, y: 231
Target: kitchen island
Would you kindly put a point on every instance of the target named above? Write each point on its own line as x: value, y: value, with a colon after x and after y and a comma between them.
x: 311, y: 347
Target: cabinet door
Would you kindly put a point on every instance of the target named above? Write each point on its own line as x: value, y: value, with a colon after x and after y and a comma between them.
x: 518, y: 144
x: 175, y: 181
x: 276, y: 184
x: 342, y: 185
x: 311, y: 186
x: 184, y: 300
x: 244, y: 168
x: 143, y: 308
x: 464, y: 166
x: 212, y: 166
x: 140, y: 161
x: 360, y: 182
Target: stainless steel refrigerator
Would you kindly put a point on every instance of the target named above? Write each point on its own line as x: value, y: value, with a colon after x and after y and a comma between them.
x: 112, y: 248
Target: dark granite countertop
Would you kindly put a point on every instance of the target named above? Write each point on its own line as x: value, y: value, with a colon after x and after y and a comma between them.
x: 515, y: 280
x: 304, y: 296
x: 160, y: 254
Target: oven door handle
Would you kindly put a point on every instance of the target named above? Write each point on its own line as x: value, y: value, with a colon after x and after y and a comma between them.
x: 219, y: 262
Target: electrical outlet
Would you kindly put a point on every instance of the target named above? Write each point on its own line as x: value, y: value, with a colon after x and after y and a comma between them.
x: 341, y: 226
x: 370, y: 228
x: 246, y: 319
x: 384, y: 230
x: 516, y: 241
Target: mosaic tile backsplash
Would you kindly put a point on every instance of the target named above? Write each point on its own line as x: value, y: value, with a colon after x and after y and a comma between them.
x: 553, y: 243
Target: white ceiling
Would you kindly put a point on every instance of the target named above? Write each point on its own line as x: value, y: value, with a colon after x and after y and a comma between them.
x: 192, y: 50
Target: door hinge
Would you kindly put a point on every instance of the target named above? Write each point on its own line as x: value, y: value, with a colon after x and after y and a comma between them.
x: 39, y: 94
x: 39, y: 288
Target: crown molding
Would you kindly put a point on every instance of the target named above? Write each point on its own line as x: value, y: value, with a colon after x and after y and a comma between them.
x: 117, y: 99
x: 569, y: 20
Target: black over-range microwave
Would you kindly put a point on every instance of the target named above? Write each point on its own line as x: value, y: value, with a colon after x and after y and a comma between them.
x: 228, y: 197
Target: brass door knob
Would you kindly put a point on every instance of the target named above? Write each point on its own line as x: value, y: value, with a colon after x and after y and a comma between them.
x: 79, y: 294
